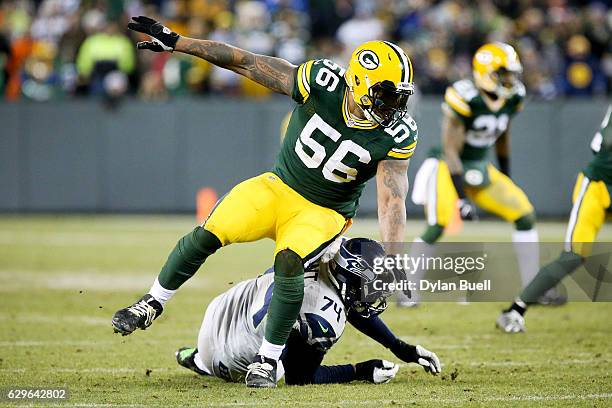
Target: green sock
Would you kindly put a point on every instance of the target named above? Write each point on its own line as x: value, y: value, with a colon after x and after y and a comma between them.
x: 287, y: 296
x: 187, y: 256
x: 432, y: 233
x: 550, y: 275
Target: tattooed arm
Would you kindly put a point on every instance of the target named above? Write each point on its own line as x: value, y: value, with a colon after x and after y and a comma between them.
x: 274, y: 73
x: 271, y: 72
x: 392, y: 188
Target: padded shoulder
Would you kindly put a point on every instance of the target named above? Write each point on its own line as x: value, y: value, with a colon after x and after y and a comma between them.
x: 316, y: 76
x: 458, y: 97
x: 405, y: 137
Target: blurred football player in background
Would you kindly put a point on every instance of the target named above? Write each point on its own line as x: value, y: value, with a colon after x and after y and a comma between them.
x: 476, y: 117
x: 343, y: 288
x: 348, y: 126
x: 591, y: 200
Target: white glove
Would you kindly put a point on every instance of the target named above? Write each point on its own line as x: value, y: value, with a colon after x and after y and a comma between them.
x: 332, y: 249
x: 429, y: 360
x: 385, y: 373
x: 376, y: 371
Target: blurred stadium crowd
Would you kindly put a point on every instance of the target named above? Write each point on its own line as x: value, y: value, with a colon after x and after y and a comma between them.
x: 53, y: 49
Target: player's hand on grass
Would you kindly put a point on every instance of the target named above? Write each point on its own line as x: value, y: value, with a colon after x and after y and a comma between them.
x: 467, y: 211
x: 162, y: 38
x: 375, y: 371
x: 417, y: 354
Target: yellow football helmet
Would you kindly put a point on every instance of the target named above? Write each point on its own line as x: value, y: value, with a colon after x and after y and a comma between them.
x: 497, y: 69
x: 379, y: 76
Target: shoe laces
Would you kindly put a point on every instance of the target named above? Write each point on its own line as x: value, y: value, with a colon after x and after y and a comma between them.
x: 142, y: 308
x: 261, y: 369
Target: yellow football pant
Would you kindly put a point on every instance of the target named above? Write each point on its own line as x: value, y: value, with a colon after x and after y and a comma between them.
x: 501, y: 197
x: 265, y: 207
x: 591, y: 200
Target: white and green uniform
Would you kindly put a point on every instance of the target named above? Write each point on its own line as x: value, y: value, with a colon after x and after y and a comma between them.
x: 233, y: 326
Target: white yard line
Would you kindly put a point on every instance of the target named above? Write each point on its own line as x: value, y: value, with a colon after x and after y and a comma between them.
x: 397, y: 402
x: 60, y: 239
x: 104, y: 370
x: 69, y: 343
x: 38, y: 318
x: 87, y: 280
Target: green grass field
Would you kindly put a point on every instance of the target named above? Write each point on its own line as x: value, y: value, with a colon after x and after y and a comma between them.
x: 62, y: 278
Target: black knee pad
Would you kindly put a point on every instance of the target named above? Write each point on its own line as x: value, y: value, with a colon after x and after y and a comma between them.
x: 526, y: 222
x: 205, y: 241
x: 288, y: 263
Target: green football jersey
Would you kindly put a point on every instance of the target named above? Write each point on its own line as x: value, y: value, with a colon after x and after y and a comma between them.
x: 328, y: 155
x: 483, y: 126
x: 600, y: 166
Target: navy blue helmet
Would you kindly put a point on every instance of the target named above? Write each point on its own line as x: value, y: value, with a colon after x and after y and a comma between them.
x: 352, y: 271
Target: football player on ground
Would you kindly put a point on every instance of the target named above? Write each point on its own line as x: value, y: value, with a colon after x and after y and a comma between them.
x: 336, y: 291
x: 591, y: 206
x: 348, y: 126
x: 477, y: 116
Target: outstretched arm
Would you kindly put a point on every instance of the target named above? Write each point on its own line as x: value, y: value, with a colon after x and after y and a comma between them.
x: 302, y: 363
x: 376, y: 329
x: 274, y: 73
x: 271, y: 72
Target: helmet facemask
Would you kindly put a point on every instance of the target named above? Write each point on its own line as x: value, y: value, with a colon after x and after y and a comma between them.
x: 385, y: 104
x: 360, y: 297
x: 357, y: 284
x: 507, y: 82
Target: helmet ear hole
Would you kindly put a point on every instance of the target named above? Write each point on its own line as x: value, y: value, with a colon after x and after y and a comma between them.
x: 357, y: 81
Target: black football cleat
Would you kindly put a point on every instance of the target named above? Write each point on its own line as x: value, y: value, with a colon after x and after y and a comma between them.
x: 138, y: 316
x: 261, y: 373
x: 185, y: 356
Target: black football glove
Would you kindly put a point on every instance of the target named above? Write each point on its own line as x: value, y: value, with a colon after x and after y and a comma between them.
x: 417, y: 354
x: 162, y: 38
x: 375, y: 371
x: 467, y: 211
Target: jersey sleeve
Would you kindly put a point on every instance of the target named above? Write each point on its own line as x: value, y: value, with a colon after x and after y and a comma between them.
x: 317, y: 331
x: 322, y: 317
x: 301, y: 85
x: 603, y: 138
x: 405, y: 138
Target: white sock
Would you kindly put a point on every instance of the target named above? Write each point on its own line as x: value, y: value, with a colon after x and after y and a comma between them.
x: 270, y: 350
x: 418, y: 249
x: 160, y: 293
x: 198, y: 362
x: 527, y: 248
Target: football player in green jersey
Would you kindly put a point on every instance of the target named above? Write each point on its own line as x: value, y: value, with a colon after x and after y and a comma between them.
x: 591, y: 207
x: 348, y: 126
x: 477, y: 116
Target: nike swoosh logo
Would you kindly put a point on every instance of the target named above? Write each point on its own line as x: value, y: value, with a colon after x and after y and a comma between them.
x: 323, y: 329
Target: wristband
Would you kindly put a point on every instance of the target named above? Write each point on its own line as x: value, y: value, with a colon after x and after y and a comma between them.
x: 458, y: 183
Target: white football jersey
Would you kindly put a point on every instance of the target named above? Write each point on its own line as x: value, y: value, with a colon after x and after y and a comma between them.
x: 234, y: 322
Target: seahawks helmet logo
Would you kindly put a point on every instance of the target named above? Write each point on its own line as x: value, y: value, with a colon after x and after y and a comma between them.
x: 368, y: 59
x: 354, y: 265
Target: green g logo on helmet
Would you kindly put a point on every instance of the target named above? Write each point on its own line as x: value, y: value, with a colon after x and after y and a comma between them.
x: 368, y: 59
